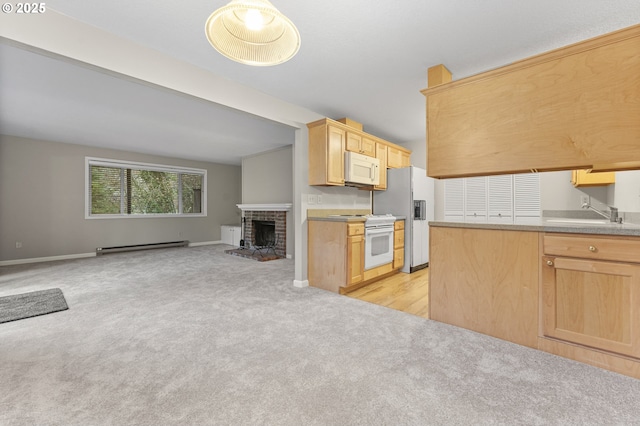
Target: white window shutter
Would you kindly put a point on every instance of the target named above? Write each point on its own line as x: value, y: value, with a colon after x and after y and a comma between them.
x: 454, y: 199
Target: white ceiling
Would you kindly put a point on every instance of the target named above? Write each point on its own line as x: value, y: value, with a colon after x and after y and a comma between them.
x: 364, y: 59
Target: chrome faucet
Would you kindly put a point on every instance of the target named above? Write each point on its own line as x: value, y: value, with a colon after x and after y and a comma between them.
x: 612, y: 215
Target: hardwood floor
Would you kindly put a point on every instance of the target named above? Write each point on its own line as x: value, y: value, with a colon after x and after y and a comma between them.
x: 404, y: 292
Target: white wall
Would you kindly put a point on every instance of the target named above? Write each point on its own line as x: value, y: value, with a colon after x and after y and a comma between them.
x: 42, y: 193
x: 627, y: 191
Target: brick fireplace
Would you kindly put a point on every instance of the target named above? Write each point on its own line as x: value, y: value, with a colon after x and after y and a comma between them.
x: 272, y: 220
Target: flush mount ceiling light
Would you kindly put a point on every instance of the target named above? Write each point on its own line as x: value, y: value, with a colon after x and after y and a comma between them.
x: 253, y: 32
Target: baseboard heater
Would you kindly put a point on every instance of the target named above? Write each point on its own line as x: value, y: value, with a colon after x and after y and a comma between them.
x: 120, y: 249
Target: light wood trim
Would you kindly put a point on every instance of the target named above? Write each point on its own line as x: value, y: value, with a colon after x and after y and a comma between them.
x: 617, y: 363
x: 437, y: 75
x: 474, y: 284
x: 351, y: 123
x: 377, y: 272
x: 619, y: 249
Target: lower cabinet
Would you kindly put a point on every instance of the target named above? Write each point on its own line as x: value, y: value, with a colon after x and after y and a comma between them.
x: 474, y: 282
x: 230, y: 234
x: 572, y: 295
x: 592, y: 299
x: 336, y: 254
x: 398, y: 244
x: 355, y: 253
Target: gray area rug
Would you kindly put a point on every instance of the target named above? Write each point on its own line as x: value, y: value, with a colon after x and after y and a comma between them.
x: 32, y: 304
x: 197, y: 337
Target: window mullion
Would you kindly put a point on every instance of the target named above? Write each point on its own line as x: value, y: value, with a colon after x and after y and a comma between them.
x: 179, y: 193
x: 122, y: 192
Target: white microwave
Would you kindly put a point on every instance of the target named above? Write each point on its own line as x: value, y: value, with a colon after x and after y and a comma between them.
x: 361, y: 169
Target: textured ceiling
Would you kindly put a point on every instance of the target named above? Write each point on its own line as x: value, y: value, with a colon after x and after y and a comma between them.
x: 363, y: 59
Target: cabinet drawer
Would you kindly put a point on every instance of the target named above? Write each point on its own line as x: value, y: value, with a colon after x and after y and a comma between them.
x: 593, y: 247
x: 355, y: 229
x: 398, y: 224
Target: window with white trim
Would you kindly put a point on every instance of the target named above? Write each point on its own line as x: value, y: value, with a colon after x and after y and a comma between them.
x: 126, y: 189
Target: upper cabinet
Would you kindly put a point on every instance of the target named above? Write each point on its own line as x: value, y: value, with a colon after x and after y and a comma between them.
x: 572, y: 108
x: 329, y: 140
x: 587, y: 178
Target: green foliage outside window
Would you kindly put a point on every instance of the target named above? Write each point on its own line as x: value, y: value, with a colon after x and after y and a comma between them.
x: 116, y: 191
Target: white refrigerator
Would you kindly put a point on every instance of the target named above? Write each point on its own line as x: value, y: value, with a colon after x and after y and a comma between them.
x: 409, y: 193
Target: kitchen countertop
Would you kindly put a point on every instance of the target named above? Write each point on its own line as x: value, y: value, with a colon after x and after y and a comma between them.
x: 347, y: 218
x: 573, y: 226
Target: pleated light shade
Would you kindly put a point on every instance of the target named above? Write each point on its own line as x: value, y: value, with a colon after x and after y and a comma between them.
x: 275, y: 42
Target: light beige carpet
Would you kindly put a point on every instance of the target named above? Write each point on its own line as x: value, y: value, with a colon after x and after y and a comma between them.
x: 196, y: 337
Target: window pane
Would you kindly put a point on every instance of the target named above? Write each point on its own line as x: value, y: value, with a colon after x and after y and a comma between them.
x: 152, y: 192
x: 191, y: 193
x: 105, y: 190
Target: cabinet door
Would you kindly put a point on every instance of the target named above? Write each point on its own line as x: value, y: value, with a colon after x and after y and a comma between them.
x: 592, y: 303
x: 526, y: 198
x: 235, y: 235
x: 476, y: 199
x: 397, y: 158
x: 398, y: 258
x: 335, y: 155
x: 381, y: 154
x: 354, y: 140
x: 454, y: 200
x: 225, y: 235
x: 500, y: 198
x: 368, y: 147
x: 355, y: 259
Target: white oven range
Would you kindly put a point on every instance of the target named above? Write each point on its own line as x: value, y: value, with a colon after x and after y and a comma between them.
x: 378, y: 245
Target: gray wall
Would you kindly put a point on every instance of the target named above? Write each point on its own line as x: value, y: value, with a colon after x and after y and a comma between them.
x: 42, y: 202
x: 267, y: 178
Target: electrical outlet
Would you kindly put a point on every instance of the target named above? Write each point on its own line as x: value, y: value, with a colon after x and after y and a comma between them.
x: 319, y: 199
x: 18, y: 244
x: 312, y: 199
x: 584, y: 199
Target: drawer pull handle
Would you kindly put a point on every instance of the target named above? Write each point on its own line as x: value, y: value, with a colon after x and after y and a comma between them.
x: 593, y: 249
x: 549, y: 263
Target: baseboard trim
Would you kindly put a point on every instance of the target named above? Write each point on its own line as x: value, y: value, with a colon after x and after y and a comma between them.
x: 45, y: 259
x: 205, y: 243
x: 301, y: 284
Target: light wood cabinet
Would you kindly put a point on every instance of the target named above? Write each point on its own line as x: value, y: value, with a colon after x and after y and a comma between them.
x: 589, y: 296
x: 398, y: 158
x: 329, y: 140
x: 381, y: 154
x: 571, y: 108
x: 356, y: 142
x: 475, y: 283
x: 586, y: 178
x: 326, y: 154
x: 398, y: 244
x: 355, y: 258
x: 336, y: 254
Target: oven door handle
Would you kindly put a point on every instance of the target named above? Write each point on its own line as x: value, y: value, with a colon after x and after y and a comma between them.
x: 373, y: 231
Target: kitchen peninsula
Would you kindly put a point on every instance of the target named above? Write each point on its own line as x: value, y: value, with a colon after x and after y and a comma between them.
x: 568, y: 287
